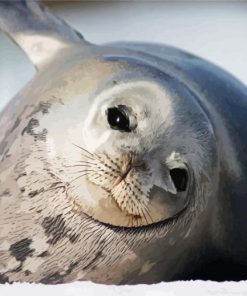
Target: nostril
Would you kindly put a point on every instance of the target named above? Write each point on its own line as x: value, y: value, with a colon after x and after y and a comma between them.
x: 180, y: 178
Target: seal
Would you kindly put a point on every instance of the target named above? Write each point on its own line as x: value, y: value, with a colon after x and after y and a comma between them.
x: 120, y: 163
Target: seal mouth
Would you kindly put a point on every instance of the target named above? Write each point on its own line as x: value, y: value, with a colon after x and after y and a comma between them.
x: 124, y: 192
x: 183, y: 179
x: 126, y: 168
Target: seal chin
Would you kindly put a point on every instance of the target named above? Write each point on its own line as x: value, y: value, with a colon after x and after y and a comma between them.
x: 118, y: 192
x: 99, y: 206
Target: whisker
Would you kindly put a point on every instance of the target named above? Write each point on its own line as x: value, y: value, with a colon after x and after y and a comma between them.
x: 148, y: 212
x: 88, y: 157
x: 83, y: 161
x: 145, y: 207
x: 78, y: 178
x: 113, y: 162
x: 94, y: 155
x: 140, y: 211
x: 91, y: 154
x: 96, y: 174
x: 97, y: 156
x: 143, y: 214
x: 76, y: 165
x: 82, y: 171
x: 83, y: 149
x: 85, y: 155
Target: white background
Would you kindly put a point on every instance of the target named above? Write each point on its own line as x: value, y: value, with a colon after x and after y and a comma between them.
x: 216, y: 31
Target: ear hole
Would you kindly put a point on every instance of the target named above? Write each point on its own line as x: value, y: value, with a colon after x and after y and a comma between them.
x: 179, y: 178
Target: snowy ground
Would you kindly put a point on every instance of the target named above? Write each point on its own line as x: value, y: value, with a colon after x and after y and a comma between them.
x: 215, y: 31
x: 196, y: 288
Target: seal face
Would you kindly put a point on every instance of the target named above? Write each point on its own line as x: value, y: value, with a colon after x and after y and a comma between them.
x: 134, y: 172
x: 121, y: 164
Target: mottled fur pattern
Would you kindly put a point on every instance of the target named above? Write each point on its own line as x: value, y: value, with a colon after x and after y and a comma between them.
x: 40, y: 231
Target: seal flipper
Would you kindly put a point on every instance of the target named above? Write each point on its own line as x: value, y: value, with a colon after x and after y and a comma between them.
x: 36, y: 30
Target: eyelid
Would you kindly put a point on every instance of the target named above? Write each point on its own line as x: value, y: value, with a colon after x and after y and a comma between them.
x: 132, y: 118
x: 124, y: 110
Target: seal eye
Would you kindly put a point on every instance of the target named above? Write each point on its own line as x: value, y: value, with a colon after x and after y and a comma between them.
x: 179, y: 178
x: 118, y: 118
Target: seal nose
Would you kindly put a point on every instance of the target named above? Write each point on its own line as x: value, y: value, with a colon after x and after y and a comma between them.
x: 127, y: 166
x: 125, y: 169
x: 129, y: 161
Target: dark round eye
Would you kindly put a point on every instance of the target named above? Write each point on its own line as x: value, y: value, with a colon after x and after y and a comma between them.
x: 118, y: 118
x: 179, y: 178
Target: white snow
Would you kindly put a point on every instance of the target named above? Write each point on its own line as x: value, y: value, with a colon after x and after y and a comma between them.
x: 191, y: 288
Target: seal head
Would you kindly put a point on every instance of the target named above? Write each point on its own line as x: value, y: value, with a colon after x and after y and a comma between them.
x: 141, y: 154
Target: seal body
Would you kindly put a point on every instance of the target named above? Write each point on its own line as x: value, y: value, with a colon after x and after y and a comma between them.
x: 160, y: 197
